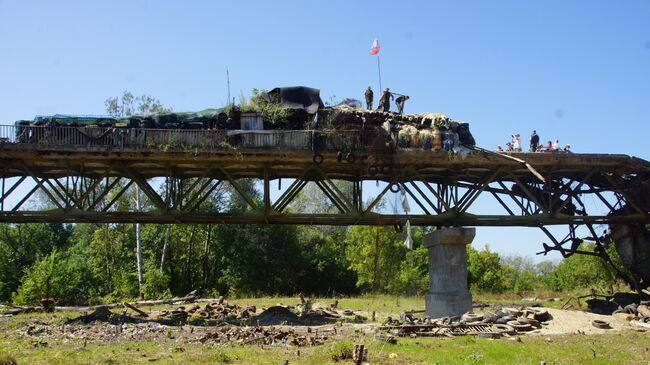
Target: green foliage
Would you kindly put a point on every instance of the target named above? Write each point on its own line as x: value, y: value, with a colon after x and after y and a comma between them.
x: 112, y: 254
x: 341, y: 351
x: 582, y: 271
x: 525, y: 281
x: 156, y: 285
x: 522, y: 275
x: 255, y: 259
x: 413, y: 273
x: 64, y: 276
x: 21, y: 245
x: 246, y: 105
x: 324, y: 265
x: 271, y: 110
x: 124, y: 286
x: 369, y: 245
x: 485, y: 272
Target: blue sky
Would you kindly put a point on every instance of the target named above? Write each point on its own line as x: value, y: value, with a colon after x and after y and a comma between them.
x: 578, y: 71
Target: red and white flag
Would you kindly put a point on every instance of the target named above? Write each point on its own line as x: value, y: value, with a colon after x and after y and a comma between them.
x: 375, y: 47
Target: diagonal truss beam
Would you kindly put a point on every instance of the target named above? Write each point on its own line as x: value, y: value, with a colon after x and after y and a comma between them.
x: 149, y: 191
x: 5, y: 194
x: 572, y: 192
x: 238, y: 188
x: 118, y: 196
x: 465, y: 204
x: 523, y: 208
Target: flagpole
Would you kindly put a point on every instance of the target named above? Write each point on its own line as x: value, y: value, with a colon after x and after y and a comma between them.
x: 379, y: 71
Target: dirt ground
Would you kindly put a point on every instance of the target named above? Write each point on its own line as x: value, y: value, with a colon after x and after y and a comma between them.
x: 54, y: 328
x: 567, y: 322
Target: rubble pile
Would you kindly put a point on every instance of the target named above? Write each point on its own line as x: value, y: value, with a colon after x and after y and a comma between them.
x: 635, y: 308
x: 220, y: 311
x: 269, y: 336
x: 427, y: 131
x: 503, y: 322
x: 638, y: 314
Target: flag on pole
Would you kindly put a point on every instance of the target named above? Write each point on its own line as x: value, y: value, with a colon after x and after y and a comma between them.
x: 375, y: 47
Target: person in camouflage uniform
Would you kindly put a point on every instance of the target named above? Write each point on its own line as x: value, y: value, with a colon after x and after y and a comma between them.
x: 384, y: 100
x: 369, y: 96
x: 399, y: 102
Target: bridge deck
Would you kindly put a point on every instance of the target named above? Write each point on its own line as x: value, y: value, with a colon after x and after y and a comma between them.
x: 84, y: 173
x: 95, y: 161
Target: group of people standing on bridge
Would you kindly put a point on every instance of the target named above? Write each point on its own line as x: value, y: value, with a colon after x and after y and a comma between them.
x: 515, y: 145
x: 384, y: 100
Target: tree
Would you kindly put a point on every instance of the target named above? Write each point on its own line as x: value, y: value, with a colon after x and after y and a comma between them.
x: 520, y: 273
x: 583, y: 271
x: 375, y: 254
x: 324, y: 266
x: 413, y: 277
x: 21, y: 245
x: 127, y: 105
x: 63, y: 276
x: 485, y: 272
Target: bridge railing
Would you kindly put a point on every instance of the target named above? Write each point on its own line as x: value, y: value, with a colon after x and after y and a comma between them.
x: 203, y: 139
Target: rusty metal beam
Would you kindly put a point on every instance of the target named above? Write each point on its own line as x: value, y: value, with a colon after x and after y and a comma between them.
x: 446, y: 219
x: 149, y: 191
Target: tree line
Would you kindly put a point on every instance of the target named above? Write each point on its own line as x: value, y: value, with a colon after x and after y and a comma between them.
x: 94, y: 263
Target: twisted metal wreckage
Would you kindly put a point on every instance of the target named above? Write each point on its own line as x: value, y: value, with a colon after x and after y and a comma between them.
x: 85, y: 165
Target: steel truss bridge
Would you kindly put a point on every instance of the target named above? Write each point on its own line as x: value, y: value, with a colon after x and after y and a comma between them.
x: 83, y: 175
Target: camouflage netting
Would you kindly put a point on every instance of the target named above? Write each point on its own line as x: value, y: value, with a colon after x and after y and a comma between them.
x: 204, y: 119
x: 411, y: 130
x: 295, y: 108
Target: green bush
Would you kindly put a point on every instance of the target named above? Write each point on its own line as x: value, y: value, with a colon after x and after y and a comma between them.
x: 413, y: 276
x: 361, y: 252
x: 485, y: 272
x: 341, y: 351
x: 156, y: 285
x: 63, y: 276
x: 271, y: 111
x: 582, y: 271
x: 524, y: 281
x: 125, y: 286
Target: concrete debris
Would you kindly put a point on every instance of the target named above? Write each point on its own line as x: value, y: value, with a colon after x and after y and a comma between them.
x: 221, y: 311
x: 629, y: 303
x: 269, y: 336
x: 503, y: 322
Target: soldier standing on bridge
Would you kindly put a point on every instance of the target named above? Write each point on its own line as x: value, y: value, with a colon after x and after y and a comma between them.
x: 534, y: 141
x: 399, y: 102
x: 384, y: 100
x: 369, y: 96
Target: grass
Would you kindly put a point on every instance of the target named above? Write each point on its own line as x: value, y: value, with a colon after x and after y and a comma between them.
x: 382, y: 305
x: 625, y: 347
x: 617, y: 348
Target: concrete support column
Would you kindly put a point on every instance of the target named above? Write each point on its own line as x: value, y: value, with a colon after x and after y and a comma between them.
x: 448, y: 292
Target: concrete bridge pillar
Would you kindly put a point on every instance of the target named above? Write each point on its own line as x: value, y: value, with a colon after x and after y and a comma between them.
x: 448, y: 292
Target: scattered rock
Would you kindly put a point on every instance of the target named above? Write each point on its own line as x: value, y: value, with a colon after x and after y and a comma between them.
x: 601, y: 324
